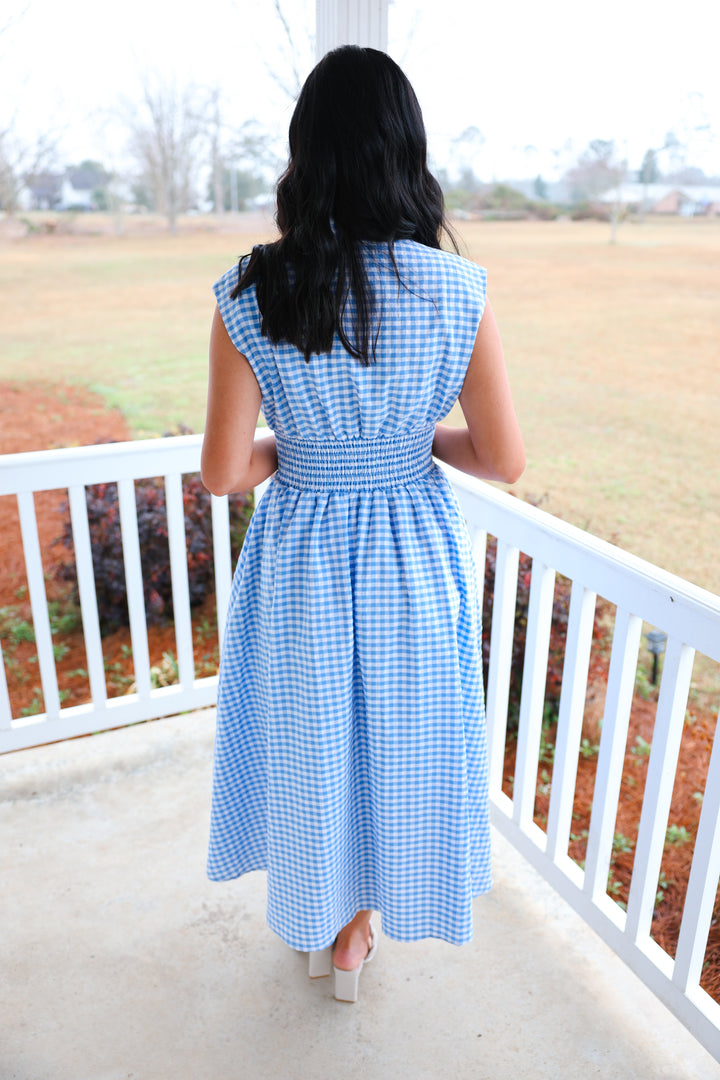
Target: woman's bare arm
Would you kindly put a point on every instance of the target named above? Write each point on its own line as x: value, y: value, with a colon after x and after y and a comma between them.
x: 232, y: 458
x: 491, y: 445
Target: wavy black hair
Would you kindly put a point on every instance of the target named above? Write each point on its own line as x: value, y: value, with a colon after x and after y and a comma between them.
x: 357, y: 172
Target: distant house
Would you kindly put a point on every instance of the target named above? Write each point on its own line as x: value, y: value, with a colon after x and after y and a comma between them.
x: 683, y: 200
x: 44, y: 191
x: 675, y: 202
x: 81, y: 187
x: 73, y: 189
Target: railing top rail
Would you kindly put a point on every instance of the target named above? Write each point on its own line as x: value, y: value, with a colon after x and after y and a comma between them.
x: 46, y: 470
x: 656, y: 595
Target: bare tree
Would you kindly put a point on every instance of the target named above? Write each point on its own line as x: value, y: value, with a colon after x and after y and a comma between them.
x: 693, y: 139
x: 243, y: 161
x: 217, y: 161
x: 466, y: 149
x: 166, y: 142
x: 20, y: 159
x: 294, y: 48
x: 293, y: 85
x: 599, y: 169
x: 252, y: 161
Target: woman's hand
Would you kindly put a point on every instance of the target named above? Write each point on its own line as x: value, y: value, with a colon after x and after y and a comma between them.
x: 491, y: 447
x: 232, y: 458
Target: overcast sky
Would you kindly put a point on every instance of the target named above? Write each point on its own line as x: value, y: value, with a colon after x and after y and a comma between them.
x: 539, y: 80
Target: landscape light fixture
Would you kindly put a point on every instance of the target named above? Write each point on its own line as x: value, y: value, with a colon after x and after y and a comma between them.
x: 656, y: 644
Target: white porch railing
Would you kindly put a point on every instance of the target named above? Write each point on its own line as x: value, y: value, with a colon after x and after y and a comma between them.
x: 641, y: 592
x: 691, y: 619
x: 74, y: 469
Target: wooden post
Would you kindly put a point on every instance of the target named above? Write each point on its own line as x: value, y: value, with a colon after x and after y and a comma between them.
x: 350, y: 22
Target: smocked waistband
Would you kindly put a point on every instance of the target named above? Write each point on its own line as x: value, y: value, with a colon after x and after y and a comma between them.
x: 354, y: 464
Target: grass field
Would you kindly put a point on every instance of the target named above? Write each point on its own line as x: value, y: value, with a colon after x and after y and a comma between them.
x: 613, y: 351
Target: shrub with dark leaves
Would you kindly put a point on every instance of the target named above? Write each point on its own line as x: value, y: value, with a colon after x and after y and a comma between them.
x: 106, y: 541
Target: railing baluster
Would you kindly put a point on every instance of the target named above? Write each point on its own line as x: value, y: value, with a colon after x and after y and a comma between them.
x: 703, y: 881
x: 179, y: 575
x: 578, y: 644
x: 88, y: 597
x: 479, y: 548
x: 5, y: 709
x: 38, y: 603
x: 501, y: 645
x: 537, y: 643
x: 134, y: 585
x: 618, y: 700
x: 672, y: 702
x: 221, y: 557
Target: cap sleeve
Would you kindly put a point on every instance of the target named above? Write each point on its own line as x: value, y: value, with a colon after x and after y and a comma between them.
x: 460, y: 291
x: 469, y: 302
x: 243, y: 321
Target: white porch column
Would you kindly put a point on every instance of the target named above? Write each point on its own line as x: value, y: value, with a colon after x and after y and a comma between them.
x: 350, y: 22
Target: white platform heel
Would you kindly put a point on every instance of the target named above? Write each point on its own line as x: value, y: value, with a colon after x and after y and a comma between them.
x: 346, y: 982
x: 320, y: 963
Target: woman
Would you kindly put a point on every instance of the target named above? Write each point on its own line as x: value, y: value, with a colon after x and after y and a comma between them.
x: 350, y: 758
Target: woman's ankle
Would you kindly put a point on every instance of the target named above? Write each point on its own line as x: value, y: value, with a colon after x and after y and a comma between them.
x: 353, y: 942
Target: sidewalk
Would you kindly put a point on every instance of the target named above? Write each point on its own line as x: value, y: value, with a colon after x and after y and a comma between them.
x: 120, y: 961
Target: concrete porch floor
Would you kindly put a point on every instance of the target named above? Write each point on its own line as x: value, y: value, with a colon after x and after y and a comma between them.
x: 120, y: 961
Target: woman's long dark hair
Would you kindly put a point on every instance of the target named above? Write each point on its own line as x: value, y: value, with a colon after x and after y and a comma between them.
x: 357, y: 172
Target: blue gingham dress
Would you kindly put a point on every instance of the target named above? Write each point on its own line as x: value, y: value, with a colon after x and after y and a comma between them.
x: 350, y: 758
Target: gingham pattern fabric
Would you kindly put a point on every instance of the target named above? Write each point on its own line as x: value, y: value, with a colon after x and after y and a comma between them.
x: 350, y: 758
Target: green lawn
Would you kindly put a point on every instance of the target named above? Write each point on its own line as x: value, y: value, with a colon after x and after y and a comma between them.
x: 127, y: 316
x: 614, y: 353
x: 613, y: 350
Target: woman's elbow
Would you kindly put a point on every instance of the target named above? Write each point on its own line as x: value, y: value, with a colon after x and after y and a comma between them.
x: 511, y: 468
x: 221, y: 472
x: 218, y: 480
x: 517, y: 469
x: 216, y: 485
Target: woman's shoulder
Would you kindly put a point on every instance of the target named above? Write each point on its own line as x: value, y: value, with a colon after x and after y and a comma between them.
x: 224, y: 288
x: 239, y: 313
x: 447, y: 267
x: 227, y: 281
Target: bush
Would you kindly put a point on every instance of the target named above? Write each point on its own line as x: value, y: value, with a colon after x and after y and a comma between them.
x: 107, y: 555
x: 502, y: 197
x: 543, y: 211
x: 586, y: 211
